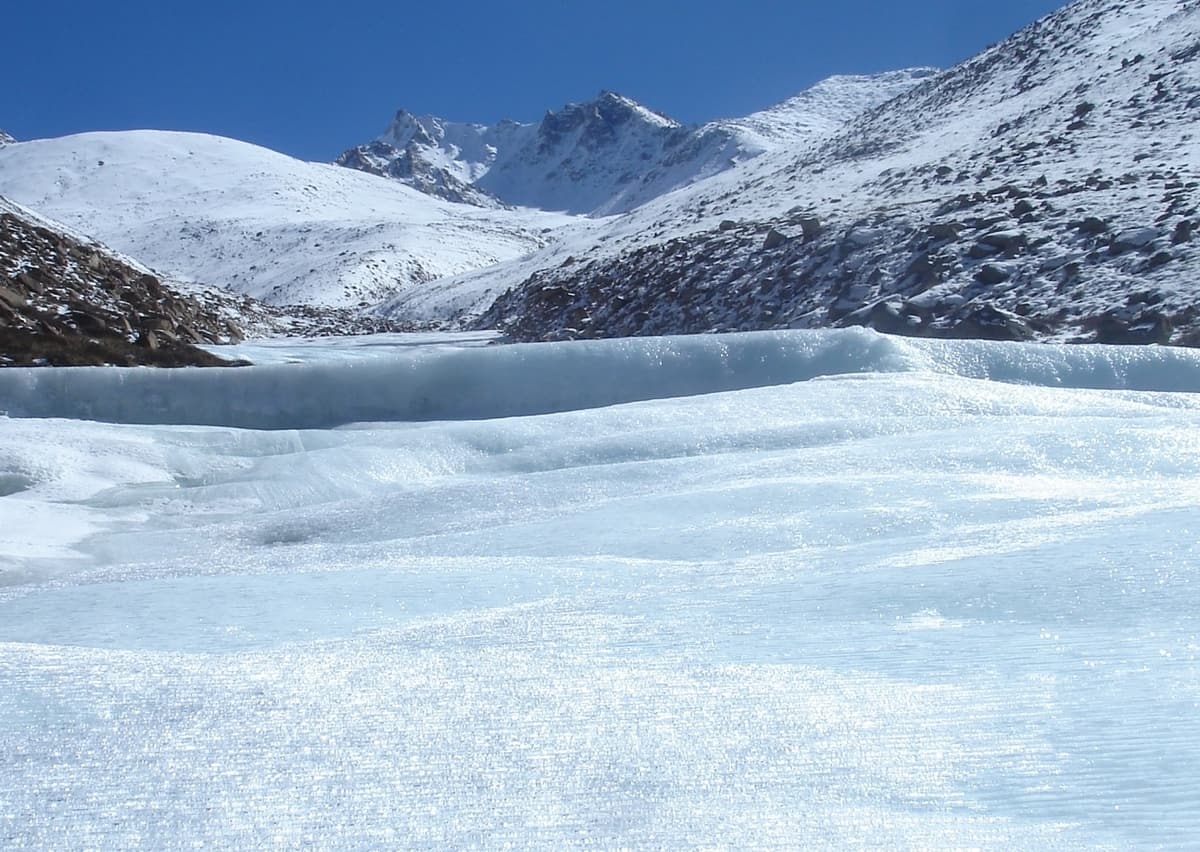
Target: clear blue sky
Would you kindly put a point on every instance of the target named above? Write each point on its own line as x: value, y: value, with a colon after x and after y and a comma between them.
x: 311, y: 78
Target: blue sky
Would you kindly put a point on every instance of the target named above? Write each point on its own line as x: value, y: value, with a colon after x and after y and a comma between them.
x: 312, y: 78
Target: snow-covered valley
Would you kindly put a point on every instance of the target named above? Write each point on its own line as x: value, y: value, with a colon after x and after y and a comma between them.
x: 1046, y: 188
x: 650, y: 538
x: 811, y: 589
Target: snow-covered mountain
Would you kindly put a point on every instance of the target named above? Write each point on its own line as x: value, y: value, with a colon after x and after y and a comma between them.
x: 214, y: 210
x: 1047, y: 187
x: 608, y: 155
x: 5, y: 138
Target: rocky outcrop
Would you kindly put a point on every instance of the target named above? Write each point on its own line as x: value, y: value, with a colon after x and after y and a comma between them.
x: 5, y: 139
x: 407, y: 165
x: 65, y: 302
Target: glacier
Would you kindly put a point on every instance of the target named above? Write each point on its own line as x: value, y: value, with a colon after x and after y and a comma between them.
x: 803, y: 589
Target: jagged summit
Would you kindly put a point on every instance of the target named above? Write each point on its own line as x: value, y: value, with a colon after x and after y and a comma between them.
x: 609, y: 109
x: 6, y: 139
x: 606, y: 155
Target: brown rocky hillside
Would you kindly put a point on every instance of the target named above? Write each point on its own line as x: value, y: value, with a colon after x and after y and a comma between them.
x: 65, y: 301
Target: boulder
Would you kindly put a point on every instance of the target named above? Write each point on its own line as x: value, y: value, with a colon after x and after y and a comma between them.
x: 988, y: 322
x: 1149, y: 328
x: 810, y: 226
x: 1053, y: 264
x: 774, y: 240
x: 859, y: 238
x: 945, y: 230
x: 1134, y: 239
x: 981, y: 250
x: 891, y: 318
x: 993, y: 273
x: 11, y: 298
x: 1009, y: 242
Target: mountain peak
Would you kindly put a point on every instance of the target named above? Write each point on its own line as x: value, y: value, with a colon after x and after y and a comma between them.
x: 605, y: 155
x: 5, y: 138
x: 613, y: 108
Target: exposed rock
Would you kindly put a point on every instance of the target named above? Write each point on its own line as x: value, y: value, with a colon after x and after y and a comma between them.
x: 1009, y: 242
x: 1148, y: 328
x: 1133, y: 239
x: 810, y: 226
x: 1092, y: 225
x: 945, y: 230
x: 69, y: 303
x: 991, y: 323
x: 993, y: 273
x: 774, y: 240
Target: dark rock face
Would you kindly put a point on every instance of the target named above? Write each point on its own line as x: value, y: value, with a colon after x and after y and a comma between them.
x: 64, y: 302
x: 1147, y: 328
x: 774, y: 240
x: 408, y: 166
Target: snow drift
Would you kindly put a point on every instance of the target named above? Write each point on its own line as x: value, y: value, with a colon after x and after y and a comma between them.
x: 519, y: 380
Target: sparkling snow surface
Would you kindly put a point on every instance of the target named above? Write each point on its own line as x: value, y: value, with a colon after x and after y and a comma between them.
x: 900, y: 605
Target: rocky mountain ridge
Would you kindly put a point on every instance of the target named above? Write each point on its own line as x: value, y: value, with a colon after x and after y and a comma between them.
x: 1046, y: 189
x: 605, y: 156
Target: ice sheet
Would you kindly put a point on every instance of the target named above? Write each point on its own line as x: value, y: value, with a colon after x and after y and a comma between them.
x: 893, y: 609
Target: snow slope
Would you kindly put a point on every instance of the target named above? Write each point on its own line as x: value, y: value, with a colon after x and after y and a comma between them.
x: 213, y: 210
x: 884, y: 609
x: 608, y: 155
x: 821, y: 111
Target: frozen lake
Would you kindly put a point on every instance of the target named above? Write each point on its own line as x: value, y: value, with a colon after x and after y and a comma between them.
x: 784, y: 589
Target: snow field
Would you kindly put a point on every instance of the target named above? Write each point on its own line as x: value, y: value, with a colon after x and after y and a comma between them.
x: 893, y: 607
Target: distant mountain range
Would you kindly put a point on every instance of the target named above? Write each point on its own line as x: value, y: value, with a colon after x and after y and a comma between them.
x: 608, y: 155
x: 1044, y: 189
